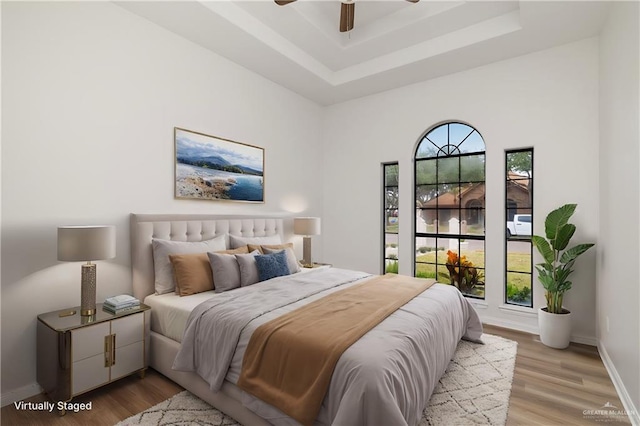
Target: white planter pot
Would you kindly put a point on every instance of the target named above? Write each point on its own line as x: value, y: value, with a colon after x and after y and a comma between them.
x: 555, y: 329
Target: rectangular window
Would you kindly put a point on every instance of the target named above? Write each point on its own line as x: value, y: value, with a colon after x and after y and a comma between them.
x: 390, y: 217
x: 449, y: 228
x: 519, y: 228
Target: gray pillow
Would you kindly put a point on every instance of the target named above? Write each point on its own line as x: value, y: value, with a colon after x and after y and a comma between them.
x: 164, y: 280
x: 248, y: 268
x: 294, y: 266
x: 226, y: 273
x: 236, y: 242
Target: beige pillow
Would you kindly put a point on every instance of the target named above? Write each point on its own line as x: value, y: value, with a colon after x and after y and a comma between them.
x: 260, y: 248
x: 193, y: 271
x: 239, y: 250
x: 164, y: 276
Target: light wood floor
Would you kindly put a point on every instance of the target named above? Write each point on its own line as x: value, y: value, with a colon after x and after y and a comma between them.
x: 550, y: 387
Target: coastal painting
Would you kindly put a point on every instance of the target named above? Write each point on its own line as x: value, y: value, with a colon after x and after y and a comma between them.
x: 212, y: 168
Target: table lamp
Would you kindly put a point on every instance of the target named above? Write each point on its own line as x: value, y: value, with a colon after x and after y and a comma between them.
x: 87, y: 243
x: 306, y: 226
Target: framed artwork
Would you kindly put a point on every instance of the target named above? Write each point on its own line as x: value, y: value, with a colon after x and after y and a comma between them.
x: 211, y: 168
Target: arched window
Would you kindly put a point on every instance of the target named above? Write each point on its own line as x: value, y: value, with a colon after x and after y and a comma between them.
x: 450, y: 204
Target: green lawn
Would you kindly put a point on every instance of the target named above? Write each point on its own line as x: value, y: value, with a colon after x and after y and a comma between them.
x: 426, y: 268
x: 517, y: 262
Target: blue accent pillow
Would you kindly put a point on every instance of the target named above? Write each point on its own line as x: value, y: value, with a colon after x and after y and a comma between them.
x: 272, y: 265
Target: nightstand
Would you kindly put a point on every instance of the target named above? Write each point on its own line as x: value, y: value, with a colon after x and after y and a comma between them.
x: 77, y: 353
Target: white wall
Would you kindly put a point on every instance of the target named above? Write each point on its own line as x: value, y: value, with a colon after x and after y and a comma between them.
x: 617, y: 289
x: 548, y: 100
x: 91, y: 94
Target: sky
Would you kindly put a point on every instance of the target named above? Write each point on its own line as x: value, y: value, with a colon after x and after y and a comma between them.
x: 234, y: 153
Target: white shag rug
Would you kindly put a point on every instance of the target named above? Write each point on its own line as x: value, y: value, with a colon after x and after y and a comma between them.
x: 474, y: 390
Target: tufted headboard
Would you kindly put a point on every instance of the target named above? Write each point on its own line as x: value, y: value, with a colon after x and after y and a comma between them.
x: 182, y: 227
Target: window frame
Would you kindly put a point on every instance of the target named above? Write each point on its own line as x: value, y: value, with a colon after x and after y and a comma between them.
x: 384, y: 209
x: 509, y: 208
x: 438, y: 235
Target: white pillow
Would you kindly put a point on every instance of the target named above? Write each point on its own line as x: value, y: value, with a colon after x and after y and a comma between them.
x: 236, y: 242
x: 225, y: 270
x: 248, y: 268
x: 292, y: 262
x: 165, y: 281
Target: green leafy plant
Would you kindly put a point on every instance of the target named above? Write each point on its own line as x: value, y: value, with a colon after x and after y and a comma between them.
x: 462, y: 272
x: 554, y: 272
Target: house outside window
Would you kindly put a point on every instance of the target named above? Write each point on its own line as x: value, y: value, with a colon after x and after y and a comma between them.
x: 450, y: 207
x: 519, y: 227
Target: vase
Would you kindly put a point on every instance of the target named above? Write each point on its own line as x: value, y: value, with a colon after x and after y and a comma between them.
x: 555, y: 329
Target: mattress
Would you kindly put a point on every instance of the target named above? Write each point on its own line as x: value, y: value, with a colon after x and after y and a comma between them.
x: 169, y: 312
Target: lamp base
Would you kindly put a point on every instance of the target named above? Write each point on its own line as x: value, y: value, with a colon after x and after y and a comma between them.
x: 306, y: 251
x: 88, y: 290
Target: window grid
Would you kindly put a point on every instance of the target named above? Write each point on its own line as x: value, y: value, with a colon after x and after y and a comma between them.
x: 390, y: 193
x: 431, y: 265
x: 518, y: 251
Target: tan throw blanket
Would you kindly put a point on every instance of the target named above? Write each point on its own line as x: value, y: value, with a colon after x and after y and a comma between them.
x: 290, y: 360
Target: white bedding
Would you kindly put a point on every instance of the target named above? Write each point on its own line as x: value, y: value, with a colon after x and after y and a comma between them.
x: 169, y: 312
x: 386, y: 378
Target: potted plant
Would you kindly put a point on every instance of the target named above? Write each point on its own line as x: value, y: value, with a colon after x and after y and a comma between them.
x: 554, y: 321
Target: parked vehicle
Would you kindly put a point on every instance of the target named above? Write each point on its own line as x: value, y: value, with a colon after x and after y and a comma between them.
x: 519, y: 226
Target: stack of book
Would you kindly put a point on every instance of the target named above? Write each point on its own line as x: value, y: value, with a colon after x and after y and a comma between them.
x: 119, y: 304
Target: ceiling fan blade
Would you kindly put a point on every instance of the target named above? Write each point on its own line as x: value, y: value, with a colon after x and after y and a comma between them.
x: 347, y: 12
x: 283, y: 2
x: 413, y: 1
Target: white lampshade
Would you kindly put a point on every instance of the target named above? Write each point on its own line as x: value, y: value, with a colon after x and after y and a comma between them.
x: 85, y: 243
x: 306, y: 226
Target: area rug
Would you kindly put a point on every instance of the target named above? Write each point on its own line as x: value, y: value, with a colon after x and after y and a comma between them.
x: 474, y: 390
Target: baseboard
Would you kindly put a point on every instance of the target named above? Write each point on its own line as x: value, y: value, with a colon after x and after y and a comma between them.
x: 513, y: 325
x: 632, y: 410
x: 532, y: 329
x: 20, y: 394
x: 591, y: 341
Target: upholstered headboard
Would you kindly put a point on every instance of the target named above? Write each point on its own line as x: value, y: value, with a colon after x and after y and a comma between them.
x: 181, y: 227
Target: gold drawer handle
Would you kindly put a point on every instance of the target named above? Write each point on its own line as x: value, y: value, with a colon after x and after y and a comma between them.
x: 107, y: 350
x: 113, y: 349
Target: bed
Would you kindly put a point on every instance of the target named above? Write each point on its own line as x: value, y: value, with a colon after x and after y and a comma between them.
x: 344, y: 403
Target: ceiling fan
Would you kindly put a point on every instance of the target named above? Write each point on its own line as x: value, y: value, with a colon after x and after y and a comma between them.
x: 347, y: 11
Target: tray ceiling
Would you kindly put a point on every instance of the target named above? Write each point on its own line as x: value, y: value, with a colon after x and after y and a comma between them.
x: 394, y: 42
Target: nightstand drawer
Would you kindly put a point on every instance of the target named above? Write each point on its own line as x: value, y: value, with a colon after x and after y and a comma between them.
x: 128, y: 330
x: 88, y: 341
x: 128, y: 359
x: 89, y: 373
